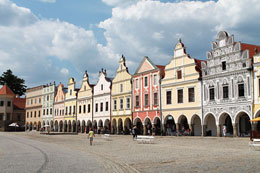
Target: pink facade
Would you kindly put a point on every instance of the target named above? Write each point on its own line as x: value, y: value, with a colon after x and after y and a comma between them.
x: 146, y: 96
x: 59, y: 108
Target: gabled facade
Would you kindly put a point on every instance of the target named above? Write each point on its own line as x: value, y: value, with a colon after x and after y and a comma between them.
x: 34, y: 108
x: 146, y: 97
x: 121, y: 100
x: 85, y: 105
x: 181, y: 93
x: 101, y: 101
x: 59, y: 109
x: 256, y: 103
x: 12, y: 109
x: 227, y: 87
x: 70, y: 105
x: 48, y: 94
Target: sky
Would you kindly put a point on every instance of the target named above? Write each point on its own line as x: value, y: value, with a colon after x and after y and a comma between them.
x: 52, y: 40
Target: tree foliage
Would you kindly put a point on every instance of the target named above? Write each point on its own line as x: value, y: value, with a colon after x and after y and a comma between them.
x: 15, y: 83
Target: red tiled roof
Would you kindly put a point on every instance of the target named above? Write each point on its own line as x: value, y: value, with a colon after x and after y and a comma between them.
x: 161, y: 67
x: 5, y: 90
x: 251, y: 49
x: 19, y: 103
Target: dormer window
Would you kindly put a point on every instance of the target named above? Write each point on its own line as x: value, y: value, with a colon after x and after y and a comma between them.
x: 70, y: 92
x: 101, y: 87
x: 224, y: 66
x: 84, y: 87
x: 179, y: 75
x: 121, y: 87
x: 145, y: 81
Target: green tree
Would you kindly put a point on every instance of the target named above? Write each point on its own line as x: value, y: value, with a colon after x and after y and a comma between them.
x: 15, y: 83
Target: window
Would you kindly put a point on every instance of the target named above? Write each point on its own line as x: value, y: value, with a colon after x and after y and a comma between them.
x: 155, y: 79
x: 31, y: 114
x: 127, y: 103
x: 9, y: 103
x: 225, y: 92
x: 43, y: 111
x: 74, y: 110
x: 169, y: 97
x: 47, y: 98
x: 96, y: 107
x: 27, y: 114
x: 211, y: 94
x: 84, y: 108
x: 1, y: 116
x: 70, y: 92
x: 146, y: 100
x: 34, y: 114
x: 121, y: 104
x: 101, y: 107
x: 84, y: 87
x: 115, y: 104
x: 63, y: 112
x: 88, y: 108
x: 66, y: 111
x: 80, y: 109
x: 224, y: 65
x: 106, y: 106
x: 179, y: 75
x: 70, y: 110
x: 39, y: 100
x: 137, y: 84
x: 35, y: 101
x: 31, y: 101
x: 155, y: 98
x: 121, y: 87
x: 2, y: 103
x: 8, y: 116
x: 191, y: 95
x: 51, y: 111
x: 47, y: 112
x: 136, y: 101
x: 180, y: 96
x: 39, y: 114
x: 101, y: 87
x: 241, y: 90
x: 145, y: 81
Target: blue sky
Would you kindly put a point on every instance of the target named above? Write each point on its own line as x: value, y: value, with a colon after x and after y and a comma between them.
x: 47, y: 40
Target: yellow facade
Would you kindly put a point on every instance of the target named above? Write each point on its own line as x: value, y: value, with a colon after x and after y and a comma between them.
x: 256, y: 75
x: 183, y: 87
x: 71, y: 102
x: 121, y: 99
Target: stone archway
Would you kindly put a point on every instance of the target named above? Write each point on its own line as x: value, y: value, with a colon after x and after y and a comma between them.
x: 78, y: 128
x: 183, y: 123
x: 210, y: 128
x: 107, y: 126
x: 31, y: 126
x: 74, y: 126
x: 196, y: 129
x: 39, y: 126
x: 100, y: 126
x: 89, y: 125
x: 156, y: 130
x: 43, y: 125
x: 257, y: 124
x: 35, y: 125
x: 120, y: 126
x: 60, y: 126
x: 52, y: 125
x: 69, y: 126
x: 127, y: 126
x: 169, y: 125
x: 95, y: 126
x: 83, y: 126
x: 56, y: 126
x: 139, y: 125
x: 242, y: 125
x: 147, y: 126
x: 114, y: 126
x: 65, y: 126
x: 225, y: 119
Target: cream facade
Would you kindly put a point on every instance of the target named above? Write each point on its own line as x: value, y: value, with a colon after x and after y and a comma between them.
x: 85, y: 105
x: 102, y: 101
x: 121, y: 100
x: 33, y: 108
x: 181, y: 93
x: 256, y: 104
x: 59, y: 108
x: 70, y: 104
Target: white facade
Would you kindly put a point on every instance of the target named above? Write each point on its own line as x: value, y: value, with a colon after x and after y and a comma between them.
x: 101, y: 101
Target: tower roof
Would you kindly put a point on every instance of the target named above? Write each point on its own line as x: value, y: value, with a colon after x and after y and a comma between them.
x: 5, y: 90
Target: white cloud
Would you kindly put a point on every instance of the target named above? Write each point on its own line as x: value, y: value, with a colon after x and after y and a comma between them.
x: 48, y: 1
x: 64, y: 71
x: 119, y: 2
x: 153, y: 28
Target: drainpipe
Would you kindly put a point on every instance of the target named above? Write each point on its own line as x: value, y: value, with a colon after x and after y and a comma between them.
x: 160, y: 105
x: 202, y: 112
x: 132, y: 106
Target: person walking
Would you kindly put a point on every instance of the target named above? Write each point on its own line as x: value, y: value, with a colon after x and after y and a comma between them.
x: 91, y: 135
x: 133, y: 132
x: 224, y: 130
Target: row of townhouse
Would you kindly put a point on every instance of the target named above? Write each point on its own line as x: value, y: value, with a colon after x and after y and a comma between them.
x: 187, y: 93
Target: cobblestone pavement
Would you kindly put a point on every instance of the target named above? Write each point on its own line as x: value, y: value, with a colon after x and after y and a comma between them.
x: 122, y: 154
